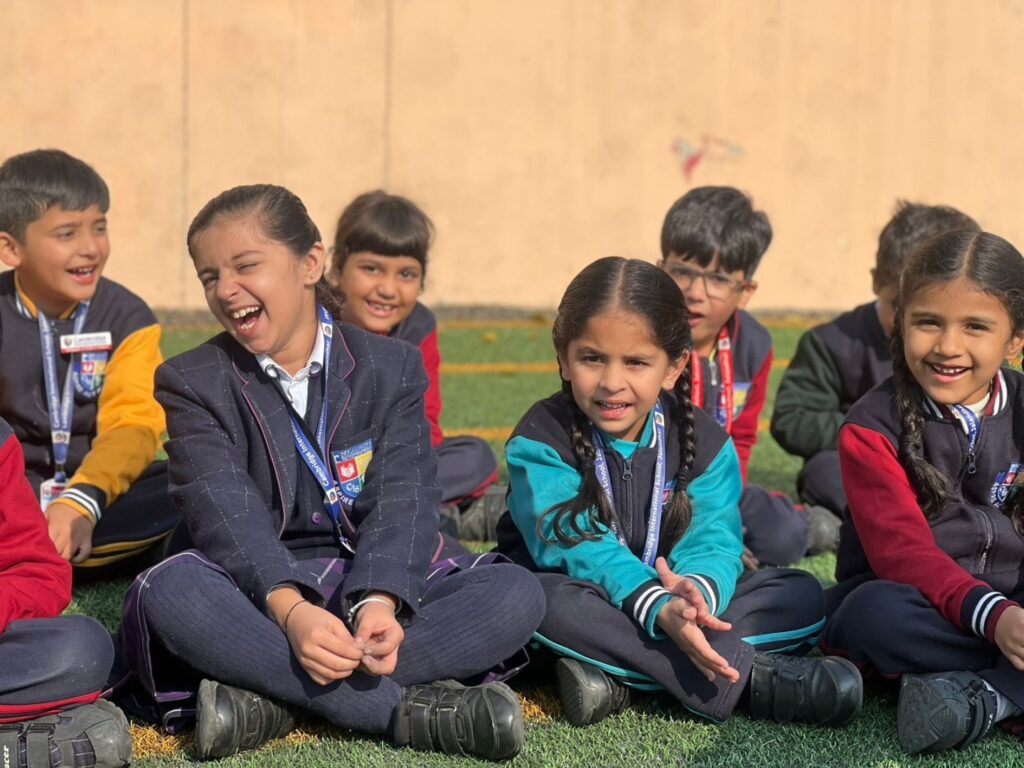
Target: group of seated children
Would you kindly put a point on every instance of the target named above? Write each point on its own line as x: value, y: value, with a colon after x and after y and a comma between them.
x: 307, y: 465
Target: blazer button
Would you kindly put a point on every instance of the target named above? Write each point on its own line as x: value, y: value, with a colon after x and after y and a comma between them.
x: 317, y: 518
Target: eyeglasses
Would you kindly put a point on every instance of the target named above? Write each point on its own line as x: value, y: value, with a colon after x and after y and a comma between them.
x: 716, y: 285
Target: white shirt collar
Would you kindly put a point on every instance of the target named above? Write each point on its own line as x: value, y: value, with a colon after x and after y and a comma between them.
x: 312, y: 367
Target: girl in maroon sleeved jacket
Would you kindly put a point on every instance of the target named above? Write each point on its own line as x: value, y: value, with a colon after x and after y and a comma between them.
x: 930, y: 563
x: 379, y: 264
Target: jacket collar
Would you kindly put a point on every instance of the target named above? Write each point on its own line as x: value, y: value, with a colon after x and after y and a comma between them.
x: 271, y: 412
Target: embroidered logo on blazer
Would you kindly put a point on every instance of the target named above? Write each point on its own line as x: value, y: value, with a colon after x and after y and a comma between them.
x: 89, y: 372
x: 1007, y: 485
x: 351, y: 464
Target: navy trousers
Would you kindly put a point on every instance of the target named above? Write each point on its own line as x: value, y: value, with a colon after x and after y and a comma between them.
x: 772, y: 610
x: 820, y: 482
x: 47, y: 665
x: 468, y: 622
x: 893, y: 628
x: 465, y: 467
x: 776, y: 531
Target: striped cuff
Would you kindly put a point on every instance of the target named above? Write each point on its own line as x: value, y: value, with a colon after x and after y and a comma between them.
x: 981, y: 610
x: 708, y: 588
x: 86, y: 499
x: 644, y: 603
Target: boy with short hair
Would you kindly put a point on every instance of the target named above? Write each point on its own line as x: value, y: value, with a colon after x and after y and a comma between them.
x: 78, y: 355
x: 712, y: 241
x: 836, y: 363
x: 52, y: 668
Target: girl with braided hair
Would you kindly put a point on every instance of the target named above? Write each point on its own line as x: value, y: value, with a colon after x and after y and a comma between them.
x: 624, y: 499
x: 930, y: 562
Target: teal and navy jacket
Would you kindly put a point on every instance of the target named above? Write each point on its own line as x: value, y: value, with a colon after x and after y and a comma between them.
x: 543, y: 473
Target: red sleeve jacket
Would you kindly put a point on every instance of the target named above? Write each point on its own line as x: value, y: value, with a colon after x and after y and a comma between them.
x: 420, y: 330
x: 34, y: 581
x: 968, y: 557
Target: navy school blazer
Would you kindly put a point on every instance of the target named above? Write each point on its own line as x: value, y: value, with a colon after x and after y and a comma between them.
x: 233, y: 462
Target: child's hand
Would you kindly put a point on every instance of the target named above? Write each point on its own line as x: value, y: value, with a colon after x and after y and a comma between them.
x: 691, y: 640
x: 380, y: 635
x: 70, y: 531
x: 1010, y: 636
x: 690, y: 592
x: 322, y: 644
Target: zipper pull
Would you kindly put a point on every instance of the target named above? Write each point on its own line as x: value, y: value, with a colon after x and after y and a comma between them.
x: 971, y: 466
x: 627, y: 472
x: 713, y: 372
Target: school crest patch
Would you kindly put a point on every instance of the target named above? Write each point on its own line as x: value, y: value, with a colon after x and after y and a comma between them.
x: 89, y: 372
x: 1007, y: 485
x: 351, y: 464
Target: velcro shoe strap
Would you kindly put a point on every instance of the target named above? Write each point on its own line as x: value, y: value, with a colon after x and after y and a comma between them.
x: 420, y: 720
x: 37, y: 746
x: 786, y: 694
x: 10, y: 745
x: 982, y: 714
x: 446, y: 717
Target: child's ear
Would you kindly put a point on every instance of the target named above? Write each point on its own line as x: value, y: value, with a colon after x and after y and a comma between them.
x: 675, y: 370
x: 563, y: 368
x: 745, y: 293
x: 313, y: 264
x: 1016, y: 345
x: 10, y: 250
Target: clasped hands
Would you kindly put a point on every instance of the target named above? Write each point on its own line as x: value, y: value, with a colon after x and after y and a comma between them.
x: 325, y: 647
x: 683, y: 618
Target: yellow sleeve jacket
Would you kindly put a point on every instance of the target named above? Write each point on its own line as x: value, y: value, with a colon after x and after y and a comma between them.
x: 116, y: 425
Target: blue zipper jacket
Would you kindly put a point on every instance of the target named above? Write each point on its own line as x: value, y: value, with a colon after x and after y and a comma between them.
x: 543, y: 473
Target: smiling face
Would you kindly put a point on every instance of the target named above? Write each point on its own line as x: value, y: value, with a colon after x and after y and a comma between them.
x: 617, y: 371
x: 61, y: 259
x: 712, y: 296
x: 259, y: 290
x: 380, y: 291
x: 955, y: 337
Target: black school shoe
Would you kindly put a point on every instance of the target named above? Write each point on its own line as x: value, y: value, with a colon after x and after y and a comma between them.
x: 230, y: 719
x: 482, y: 720
x: 588, y: 695
x: 90, y: 736
x: 941, y: 711
x: 821, y: 690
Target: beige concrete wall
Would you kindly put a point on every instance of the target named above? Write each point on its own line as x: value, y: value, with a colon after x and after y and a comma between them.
x: 539, y: 135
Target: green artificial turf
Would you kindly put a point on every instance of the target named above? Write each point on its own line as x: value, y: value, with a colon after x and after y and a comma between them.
x: 653, y: 733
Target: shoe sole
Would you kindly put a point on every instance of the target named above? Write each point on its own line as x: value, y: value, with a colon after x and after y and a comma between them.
x: 206, y: 701
x: 573, y: 692
x: 923, y: 719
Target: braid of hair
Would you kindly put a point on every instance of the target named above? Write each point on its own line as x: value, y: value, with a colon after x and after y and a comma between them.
x: 679, y: 513
x: 932, y: 487
x: 591, y: 503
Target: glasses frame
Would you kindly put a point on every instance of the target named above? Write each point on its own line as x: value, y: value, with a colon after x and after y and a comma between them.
x: 692, y: 275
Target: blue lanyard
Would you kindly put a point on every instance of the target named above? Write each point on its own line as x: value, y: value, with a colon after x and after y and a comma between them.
x: 657, y: 493
x: 61, y: 404
x: 316, y: 457
x: 973, y: 424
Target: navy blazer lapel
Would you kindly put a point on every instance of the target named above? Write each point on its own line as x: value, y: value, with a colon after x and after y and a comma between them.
x: 271, y: 413
x: 340, y: 366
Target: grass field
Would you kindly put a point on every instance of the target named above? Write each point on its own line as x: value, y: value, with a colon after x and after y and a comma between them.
x: 491, y: 375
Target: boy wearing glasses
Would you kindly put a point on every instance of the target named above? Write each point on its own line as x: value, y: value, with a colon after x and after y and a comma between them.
x: 711, y: 243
